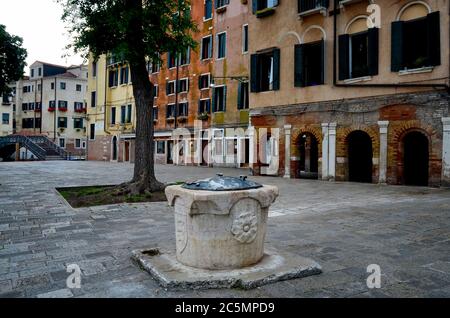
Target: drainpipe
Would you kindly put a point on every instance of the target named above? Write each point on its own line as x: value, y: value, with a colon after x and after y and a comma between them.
x: 54, y: 116
x: 42, y: 110
x: 336, y: 11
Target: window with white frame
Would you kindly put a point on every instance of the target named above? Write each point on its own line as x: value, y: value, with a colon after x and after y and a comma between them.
x: 207, y: 47
x: 183, y: 85
x: 221, y: 45
x: 245, y: 38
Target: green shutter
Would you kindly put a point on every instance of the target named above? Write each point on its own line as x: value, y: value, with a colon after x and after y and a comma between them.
x: 276, y: 69
x: 434, y: 39
x: 322, y: 62
x: 373, y: 50
x: 214, y: 100
x: 344, y: 57
x: 397, y: 46
x: 240, y: 103
x: 299, y: 78
x: 254, y: 6
x: 254, y: 74
x: 224, y: 98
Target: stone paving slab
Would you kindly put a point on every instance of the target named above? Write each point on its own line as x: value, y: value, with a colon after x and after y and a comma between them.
x: 343, y: 226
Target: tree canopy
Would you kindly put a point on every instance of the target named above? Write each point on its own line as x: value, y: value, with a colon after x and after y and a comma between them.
x: 129, y: 28
x: 12, y: 59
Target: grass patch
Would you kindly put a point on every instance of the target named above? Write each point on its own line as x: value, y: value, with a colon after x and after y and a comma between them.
x: 82, y: 197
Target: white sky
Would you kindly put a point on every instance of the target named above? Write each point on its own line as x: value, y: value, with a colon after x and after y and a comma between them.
x: 39, y: 23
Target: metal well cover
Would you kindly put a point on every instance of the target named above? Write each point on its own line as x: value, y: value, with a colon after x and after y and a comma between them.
x: 221, y: 183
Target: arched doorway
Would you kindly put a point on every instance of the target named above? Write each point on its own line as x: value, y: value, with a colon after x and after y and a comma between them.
x: 360, y: 155
x: 309, y: 156
x: 415, y: 159
x: 114, y: 148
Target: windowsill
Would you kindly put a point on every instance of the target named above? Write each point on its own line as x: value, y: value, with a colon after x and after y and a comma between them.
x: 205, y: 88
x: 420, y: 70
x: 264, y: 12
x: 245, y: 53
x: 221, y: 9
x: 206, y: 20
x: 220, y: 58
x: 343, y: 3
x: 206, y: 60
x: 320, y: 9
x: 358, y: 79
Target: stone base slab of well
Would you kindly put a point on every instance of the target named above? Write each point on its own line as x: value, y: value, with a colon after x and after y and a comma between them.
x: 275, y: 266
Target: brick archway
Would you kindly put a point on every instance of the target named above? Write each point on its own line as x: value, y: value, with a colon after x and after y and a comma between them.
x: 399, y: 137
x: 297, y: 133
x: 342, y: 149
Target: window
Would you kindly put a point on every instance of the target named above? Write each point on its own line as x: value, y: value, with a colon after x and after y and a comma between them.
x: 358, y: 54
x: 25, y: 106
x: 206, y: 49
x: 62, y: 85
x: 185, y: 57
x: 39, y: 87
x: 38, y: 106
x: 92, y: 132
x: 94, y: 69
x: 204, y: 81
x: 62, y: 122
x: 243, y: 98
x: 416, y: 43
x: 40, y: 71
x: 245, y: 38
x: 78, y: 107
x: 62, y: 142
x: 170, y: 88
x: 78, y: 123
x: 30, y: 106
x: 123, y: 114
x: 52, y: 86
x: 51, y: 104
x: 113, y: 78
x: 183, y: 109
x: 78, y: 143
x: 155, y: 113
x: 78, y: 88
x: 309, y: 64
x: 155, y: 91
x: 113, y: 116
x: 153, y: 67
x: 183, y: 85
x: 170, y: 113
x: 204, y: 106
x: 160, y: 147
x: 265, y: 71
x: 28, y: 88
x: 27, y: 123
x: 32, y: 73
x: 62, y: 105
x: 5, y: 119
x: 219, y: 98
x: 307, y: 5
x: 221, y: 3
x: 129, y: 113
x: 208, y: 10
x: 93, y: 99
x: 171, y: 60
x: 124, y: 71
x: 221, y: 45
x: 37, y: 122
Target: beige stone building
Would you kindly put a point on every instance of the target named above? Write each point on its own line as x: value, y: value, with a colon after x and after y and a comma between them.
x: 351, y: 90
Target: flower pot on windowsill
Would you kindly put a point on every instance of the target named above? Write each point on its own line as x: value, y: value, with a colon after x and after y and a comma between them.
x: 221, y: 9
x: 51, y: 109
x: 182, y: 119
x: 61, y: 129
x: 170, y: 120
x: 265, y: 12
x: 203, y: 116
x: 62, y: 109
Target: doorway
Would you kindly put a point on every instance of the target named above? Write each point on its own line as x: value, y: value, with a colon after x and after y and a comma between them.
x: 415, y: 159
x: 127, y: 151
x: 360, y: 156
x: 205, y: 153
x: 170, y: 152
x: 114, y: 148
x: 309, y: 156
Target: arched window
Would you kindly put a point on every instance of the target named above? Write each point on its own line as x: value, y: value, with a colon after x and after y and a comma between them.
x: 358, y: 50
x: 415, y: 38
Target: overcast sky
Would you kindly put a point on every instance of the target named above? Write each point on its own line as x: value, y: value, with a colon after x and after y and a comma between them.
x: 39, y: 23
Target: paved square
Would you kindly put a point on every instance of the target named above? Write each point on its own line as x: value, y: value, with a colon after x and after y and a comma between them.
x: 343, y: 226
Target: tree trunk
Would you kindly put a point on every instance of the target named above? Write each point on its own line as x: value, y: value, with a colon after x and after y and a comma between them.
x: 144, y: 179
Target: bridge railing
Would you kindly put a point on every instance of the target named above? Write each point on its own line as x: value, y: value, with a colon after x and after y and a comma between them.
x: 26, y: 142
x: 51, y: 145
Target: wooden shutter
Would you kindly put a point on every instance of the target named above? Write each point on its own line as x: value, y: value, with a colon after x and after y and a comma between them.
x: 322, y: 61
x: 397, y: 46
x: 214, y: 100
x: 434, y: 39
x: 344, y: 57
x: 254, y: 74
x: 224, y: 98
x: 299, y: 78
x: 276, y: 69
x: 240, y: 103
x: 254, y: 6
x: 373, y: 50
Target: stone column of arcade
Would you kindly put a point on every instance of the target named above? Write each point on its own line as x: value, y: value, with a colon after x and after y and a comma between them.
x: 220, y: 229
